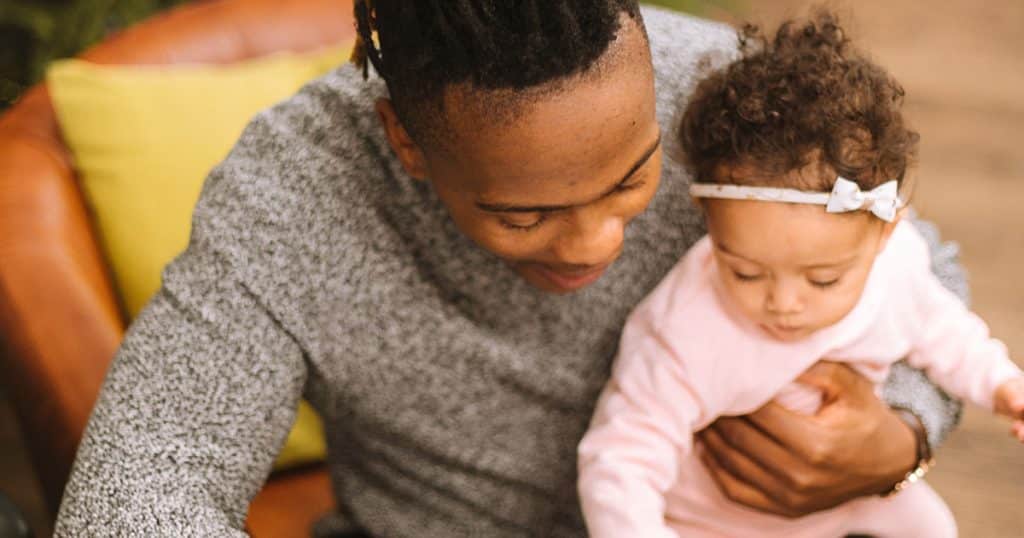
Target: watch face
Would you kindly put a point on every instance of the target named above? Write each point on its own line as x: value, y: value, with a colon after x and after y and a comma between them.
x: 924, y: 451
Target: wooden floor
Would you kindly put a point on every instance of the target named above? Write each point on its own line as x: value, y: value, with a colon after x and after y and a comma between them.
x: 962, y: 63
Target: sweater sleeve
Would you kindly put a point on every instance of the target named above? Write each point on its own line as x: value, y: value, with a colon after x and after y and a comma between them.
x: 907, y: 386
x: 953, y: 345
x: 196, y: 404
x: 629, y: 457
x: 956, y: 350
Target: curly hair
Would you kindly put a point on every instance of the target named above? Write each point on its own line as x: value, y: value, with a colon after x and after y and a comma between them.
x: 806, y: 97
x: 425, y: 46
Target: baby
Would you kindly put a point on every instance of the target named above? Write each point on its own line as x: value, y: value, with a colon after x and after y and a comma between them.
x: 799, y: 154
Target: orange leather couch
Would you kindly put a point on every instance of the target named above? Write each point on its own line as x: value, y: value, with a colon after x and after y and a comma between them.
x: 59, y: 320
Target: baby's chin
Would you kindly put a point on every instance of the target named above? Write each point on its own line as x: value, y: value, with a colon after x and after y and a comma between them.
x: 787, y: 334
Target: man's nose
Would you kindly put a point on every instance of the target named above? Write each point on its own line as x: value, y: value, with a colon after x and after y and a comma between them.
x: 591, y: 239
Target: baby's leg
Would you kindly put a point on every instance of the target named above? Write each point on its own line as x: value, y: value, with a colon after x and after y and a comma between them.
x: 914, y: 512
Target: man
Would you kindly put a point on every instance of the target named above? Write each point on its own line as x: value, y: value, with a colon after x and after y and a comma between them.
x: 441, y: 264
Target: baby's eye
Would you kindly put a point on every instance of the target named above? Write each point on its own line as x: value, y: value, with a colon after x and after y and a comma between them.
x: 824, y: 283
x: 523, y: 224
x: 745, y: 277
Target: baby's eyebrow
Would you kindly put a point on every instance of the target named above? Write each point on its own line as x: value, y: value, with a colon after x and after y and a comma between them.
x: 845, y: 261
x: 825, y: 265
x: 725, y: 249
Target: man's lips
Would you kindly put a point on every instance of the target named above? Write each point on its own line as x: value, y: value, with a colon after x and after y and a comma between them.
x: 572, y: 280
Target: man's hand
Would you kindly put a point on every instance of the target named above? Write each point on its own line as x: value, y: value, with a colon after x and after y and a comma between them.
x: 790, y: 464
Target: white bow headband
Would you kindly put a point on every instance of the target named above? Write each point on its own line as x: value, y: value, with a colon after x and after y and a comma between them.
x: 883, y: 201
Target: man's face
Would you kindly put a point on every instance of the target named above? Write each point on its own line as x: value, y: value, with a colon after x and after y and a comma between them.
x: 551, y: 190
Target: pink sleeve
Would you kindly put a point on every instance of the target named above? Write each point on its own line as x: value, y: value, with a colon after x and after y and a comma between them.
x: 954, y: 346
x: 629, y: 457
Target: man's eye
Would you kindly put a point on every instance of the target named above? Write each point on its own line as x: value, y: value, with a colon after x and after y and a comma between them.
x: 745, y: 277
x: 824, y: 283
x: 523, y: 225
x: 630, y: 186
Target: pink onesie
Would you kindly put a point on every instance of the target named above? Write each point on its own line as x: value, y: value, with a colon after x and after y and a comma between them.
x: 685, y: 359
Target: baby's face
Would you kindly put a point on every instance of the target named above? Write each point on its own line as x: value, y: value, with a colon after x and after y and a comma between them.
x: 792, y: 268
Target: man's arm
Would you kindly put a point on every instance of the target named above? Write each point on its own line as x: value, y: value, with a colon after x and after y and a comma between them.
x: 791, y: 464
x: 197, y: 402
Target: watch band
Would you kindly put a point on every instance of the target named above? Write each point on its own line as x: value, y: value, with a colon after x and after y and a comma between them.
x: 925, y: 461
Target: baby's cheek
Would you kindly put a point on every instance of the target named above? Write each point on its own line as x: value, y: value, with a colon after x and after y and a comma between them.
x: 839, y: 305
x: 749, y: 297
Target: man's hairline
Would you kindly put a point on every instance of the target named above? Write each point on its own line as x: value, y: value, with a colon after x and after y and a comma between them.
x: 513, y: 100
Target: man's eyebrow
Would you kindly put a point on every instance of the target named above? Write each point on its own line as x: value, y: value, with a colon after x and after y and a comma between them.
x: 506, y: 208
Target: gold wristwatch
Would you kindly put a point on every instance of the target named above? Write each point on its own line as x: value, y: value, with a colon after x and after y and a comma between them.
x: 925, y: 461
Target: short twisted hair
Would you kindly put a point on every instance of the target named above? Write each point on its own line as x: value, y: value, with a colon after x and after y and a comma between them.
x: 426, y: 46
x: 806, y: 95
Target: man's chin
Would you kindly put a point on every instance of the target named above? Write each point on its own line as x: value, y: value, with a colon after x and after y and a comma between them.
x: 556, y: 282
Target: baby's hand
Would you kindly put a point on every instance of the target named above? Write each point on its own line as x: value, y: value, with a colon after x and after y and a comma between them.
x: 1010, y: 402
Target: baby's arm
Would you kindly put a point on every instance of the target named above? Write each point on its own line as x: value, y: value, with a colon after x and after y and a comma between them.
x: 629, y: 457
x: 1010, y: 402
x: 956, y: 350
x: 953, y: 345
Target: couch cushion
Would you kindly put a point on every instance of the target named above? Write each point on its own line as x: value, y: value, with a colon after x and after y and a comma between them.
x: 144, y: 139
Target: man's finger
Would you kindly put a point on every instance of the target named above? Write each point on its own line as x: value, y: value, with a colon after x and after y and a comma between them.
x: 740, y: 492
x: 829, y: 377
x: 743, y: 437
x: 740, y: 466
x: 795, y: 431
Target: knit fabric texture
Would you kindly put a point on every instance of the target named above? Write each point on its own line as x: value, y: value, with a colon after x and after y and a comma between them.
x: 452, y: 392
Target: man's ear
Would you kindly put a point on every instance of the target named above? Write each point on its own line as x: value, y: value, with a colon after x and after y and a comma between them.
x: 698, y: 203
x: 407, y: 151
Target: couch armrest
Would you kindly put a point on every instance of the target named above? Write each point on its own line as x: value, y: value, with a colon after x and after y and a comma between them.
x: 225, y: 31
x: 60, y: 323
x: 59, y: 320
x: 290, y: 503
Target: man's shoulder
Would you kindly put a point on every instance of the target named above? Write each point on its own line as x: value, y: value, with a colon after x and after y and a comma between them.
x: 685, y: 47
x: 661, y: 22
x: 304, y: 172
x: 333, y: 114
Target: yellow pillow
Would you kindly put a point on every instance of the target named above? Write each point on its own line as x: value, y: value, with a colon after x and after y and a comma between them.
x: 144, y: 139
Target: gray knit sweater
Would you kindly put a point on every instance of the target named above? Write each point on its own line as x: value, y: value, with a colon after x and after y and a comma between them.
x: 453, y: 393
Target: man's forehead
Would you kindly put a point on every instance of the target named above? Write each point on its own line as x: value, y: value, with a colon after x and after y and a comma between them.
x: 557, y: 133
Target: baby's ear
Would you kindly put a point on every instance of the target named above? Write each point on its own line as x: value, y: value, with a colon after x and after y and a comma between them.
x: 889, y: 227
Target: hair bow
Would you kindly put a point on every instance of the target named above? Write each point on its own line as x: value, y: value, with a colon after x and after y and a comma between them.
x: 883, y: 200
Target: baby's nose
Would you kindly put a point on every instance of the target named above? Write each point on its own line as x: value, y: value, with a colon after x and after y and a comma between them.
x: 783, y: 299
